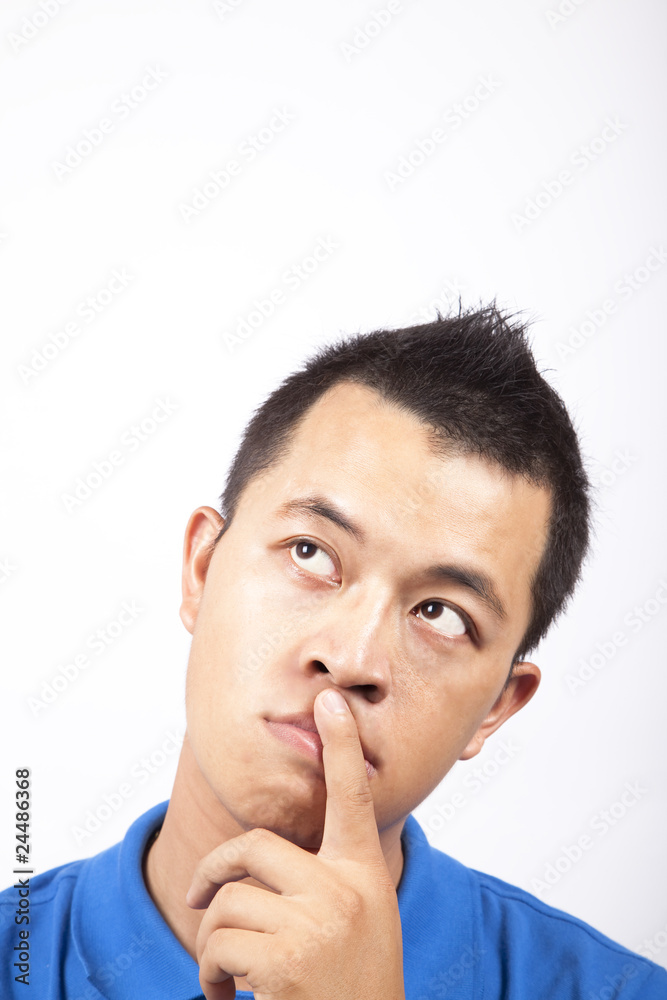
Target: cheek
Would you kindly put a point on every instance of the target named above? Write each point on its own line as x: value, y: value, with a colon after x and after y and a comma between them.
x: 214, y: 689
x: 421, y: 735
x: 438, y: 713
x: 244, y: 623
x: 234, y: 612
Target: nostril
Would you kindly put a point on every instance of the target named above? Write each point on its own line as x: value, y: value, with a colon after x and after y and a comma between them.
x: 320, y: 666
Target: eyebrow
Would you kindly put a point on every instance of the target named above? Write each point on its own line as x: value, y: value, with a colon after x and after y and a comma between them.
x: 478, y: 582
x: 319, y: 507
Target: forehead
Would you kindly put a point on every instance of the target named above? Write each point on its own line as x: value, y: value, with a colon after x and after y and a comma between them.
x: 378, y: 463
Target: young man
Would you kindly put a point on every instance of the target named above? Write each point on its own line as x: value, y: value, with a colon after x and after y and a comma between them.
x: 403, y: 520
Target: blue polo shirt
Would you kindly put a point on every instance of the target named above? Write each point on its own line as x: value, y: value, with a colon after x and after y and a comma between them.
x: 95, y: 933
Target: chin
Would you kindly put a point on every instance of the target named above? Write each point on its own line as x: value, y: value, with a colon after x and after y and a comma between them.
x: 307, y: 838
x: 287, y: 815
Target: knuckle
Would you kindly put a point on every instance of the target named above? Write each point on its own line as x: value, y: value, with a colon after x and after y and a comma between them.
x: 328, y: 931
x: 350, y: 740
x: 215, y: 945
x: 290, y: 970
x: 259, y: 836
x: 357, y: 793
x: 295, y: 965
x: 226, y: 854
x: 227, y: 891
x: 350, y: 901
x: 207, y: 872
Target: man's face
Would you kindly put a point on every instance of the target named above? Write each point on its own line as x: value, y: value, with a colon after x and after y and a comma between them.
x: 293, y: 602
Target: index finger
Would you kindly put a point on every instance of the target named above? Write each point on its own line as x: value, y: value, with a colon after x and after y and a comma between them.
x: 350, y: 828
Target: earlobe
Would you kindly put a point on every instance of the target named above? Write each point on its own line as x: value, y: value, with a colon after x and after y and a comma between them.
x: 202, y: 529
x: 474, y: 746
x: 520, y: 689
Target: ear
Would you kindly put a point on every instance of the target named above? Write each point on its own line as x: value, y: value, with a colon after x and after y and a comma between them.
x: 520, y: 689
x: 202, y: 529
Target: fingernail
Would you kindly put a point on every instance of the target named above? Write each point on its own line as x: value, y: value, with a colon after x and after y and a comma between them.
x: 334, y: 702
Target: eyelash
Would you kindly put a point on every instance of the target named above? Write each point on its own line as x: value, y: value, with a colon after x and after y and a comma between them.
x: 470, y: 628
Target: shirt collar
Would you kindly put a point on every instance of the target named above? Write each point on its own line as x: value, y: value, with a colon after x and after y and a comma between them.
x: 124, y: 943
x: 127, y: 948
x: 440, y: 908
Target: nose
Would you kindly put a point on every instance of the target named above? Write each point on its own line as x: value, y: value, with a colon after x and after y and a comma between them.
x: 349, y: 640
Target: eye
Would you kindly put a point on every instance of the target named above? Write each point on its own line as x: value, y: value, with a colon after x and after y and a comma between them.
x: 442, y: 617
x: 307, y: 555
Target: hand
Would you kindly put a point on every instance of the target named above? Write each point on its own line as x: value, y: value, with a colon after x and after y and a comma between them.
x: 331, y: 928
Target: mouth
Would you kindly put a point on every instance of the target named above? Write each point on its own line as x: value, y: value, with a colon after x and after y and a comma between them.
x: 300, y: 733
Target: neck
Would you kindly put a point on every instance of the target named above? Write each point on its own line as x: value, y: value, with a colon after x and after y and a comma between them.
x: 196, y: 822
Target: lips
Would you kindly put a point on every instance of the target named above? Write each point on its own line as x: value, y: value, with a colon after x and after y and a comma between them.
x: 306, y: 721
x: 303, y: 721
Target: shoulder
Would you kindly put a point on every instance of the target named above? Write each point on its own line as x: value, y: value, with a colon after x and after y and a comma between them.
x: 38, y: 891
x: 494, y: 939
x: 35, y: 914
x: 540, y: 945
x: 59, y: 925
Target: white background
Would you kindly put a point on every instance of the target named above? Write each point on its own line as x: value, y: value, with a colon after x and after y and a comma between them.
x: 454, y: 225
